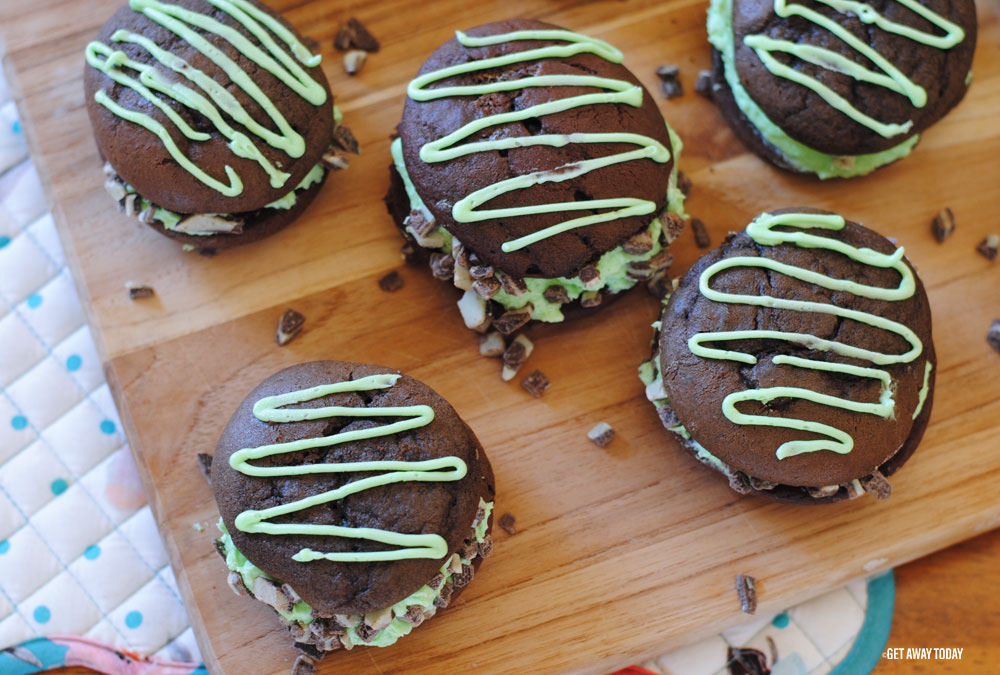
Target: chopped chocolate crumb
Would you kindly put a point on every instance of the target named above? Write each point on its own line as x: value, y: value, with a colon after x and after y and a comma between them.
x: 513, y: 319
x: 683, y: 183
x: 760, y: 484
x: 491, y: 344
x: 470, y: 549
x: 442, y: 266
x: 746, y: 588
x: 436, y: 581
x: 208, y: 252
x: 988, y: 246
x: 137, y: 291
x: 235, y: 582
x: 344, y: 139
x: 877, y: 485
x: 365, y: 632
x: 506, y: 523
x: 739, y: 482
x: 464, y: 577
x: 993, y: 335
x: 354, y: 60
x: 486, y: 288
x: 419, y: 223
x: 823, y: 491
x: 703, y: 85
x: 486, y: 547
x: 334, y: 159
x: 701, y: 237
x: 673, y: 225
x: 589, y: 275
x: 414, y: 614
x: 515, y: 355
x: 658, y: 284
x: 556, y: 294
x: 220, y: 548
x: 444, y: 595
x: 205, y: 466
x: 391, y: 282
x: 361, y: 37
x: 512, y: 286
x: 289, y: 325
x: 601, y: 434
x: 590, y: 299
x: 342, y: 40
x: 943, y: 225
x: 746, y: 661
x: 481, y: 272
x: 536, y: 384
x: 408, y: 252
x: 670, y: 82
x: 639, y: 243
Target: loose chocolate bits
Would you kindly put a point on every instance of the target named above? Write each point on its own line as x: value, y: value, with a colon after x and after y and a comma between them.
x: 491, y: 345
x: 205, y: 466
x: 670, y: 83
x: 943, y: 225
x: 536, y: 384
x: 673, y: 225
x: 601, y: 434
x: 746, y: 588
x: 877, y: 485
x: 993, y: 335
x: 746, y: 661
x: 354, y: 60
x: 289, y: 325
x: 391, y: 282
x: 354, y: 34
x: 703, y: 85
x: 514, y: 357
x: 513, y: 319
x: 138, y: 291
x: 988, y: 246
x: 701, y: 237
x: 344, y: 139
x: 683, y: 183
x: 506, y: 523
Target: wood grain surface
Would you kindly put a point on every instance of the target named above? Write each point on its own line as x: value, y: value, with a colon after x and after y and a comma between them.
x: 621, y: 553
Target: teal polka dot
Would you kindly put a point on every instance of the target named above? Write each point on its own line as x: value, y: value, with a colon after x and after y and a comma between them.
x: 4, y: 240
x: 108, y: 427
x: 59, y: 486
x: 16, y: 126
x: 18, y: 422
x: 92, y: 552
x: 133, y: 619
x: 35, y: 300
x: 780, y: 621
x: 42, y: 614
x: 73, y: 362
x: 4, y: 546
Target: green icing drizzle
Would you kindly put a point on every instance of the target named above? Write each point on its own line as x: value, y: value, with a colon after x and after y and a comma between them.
x: 269, y: 56
x: 928, y: 367
x: 762, y: 231
x: 797, y: 155
x: 614, y: 92
x: 270, y: 409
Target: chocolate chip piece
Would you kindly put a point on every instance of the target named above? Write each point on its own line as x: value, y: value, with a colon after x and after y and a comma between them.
x: 512, y: 286
x: 670, y: 82
x: 342, y: 40
x: 673, y: 225
x: 137, y: 291
x: 481, y: 272
x: 746, y: 588
x: 993, y: 335
x: 738, y: 482
x: 444, y: 595
x: 235, y: 582
x: 436, y: 581
x: 601, y: 434
x: 366, y: 632
x: 220, y: 548
x: 486, y: 288
x: 354, y: 60
x: 414, y: 614
x: 344, y: 139
x: 515, y: 355
x: 589, y: 276
x: 556, y: 294
x: 464, y: 577
x: 391, y: 282
x: 703, y: 85
x: 877, y: 485
x: 506, y: 523
x: 590, y: 299
x: 536, y: 384
x: 360, y: 37
x: 205, y: 466
x: 289, y: 325
x: 943, y: 225
x: 760, y: 484
x: 639, y: 243
x: 684, y: 183
x: 746, y: 661
x: 491, y: 344
x: 701, y: 237
x: 668, y: 417
x: 442, y: 266
x: 334, y: 159
x: 988, y: 246
x: 486, y: 547
x: 513, y: 319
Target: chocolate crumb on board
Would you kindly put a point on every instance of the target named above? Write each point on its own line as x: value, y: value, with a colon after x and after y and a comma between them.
x: 353, y: 60
x: 993, y: 335
x: 670, y: 82
x: 683, y: 184
x: 703, y: 85
x: 304, y: 665
x: 514, y: 357
x: 289, y: 325
x: 536, y: 384
x: 746, y: 661
x: 943, y: 225
x: 208, y: 252
x: 746, y: 588
x: 988, y: 246
x: 345, y: 140
x: 138, y: 291
x: 205, y: 466
x: 491, y: 345
x: 361, y: 37
x: 601, y: 434
x: 391, y: 282
x: 342, y: 40
x: 701, y: 237
x: 506, y: 523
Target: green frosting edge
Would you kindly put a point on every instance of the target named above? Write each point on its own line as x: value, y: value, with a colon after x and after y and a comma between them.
x: 612, y: 265
x: 301, y: 613
x: 799, y: 156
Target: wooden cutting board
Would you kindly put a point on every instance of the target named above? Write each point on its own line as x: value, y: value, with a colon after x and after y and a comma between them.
x: 619, y: 553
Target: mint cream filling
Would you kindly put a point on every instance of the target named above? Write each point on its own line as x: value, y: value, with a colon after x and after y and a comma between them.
x: 797, y: 155
x: 301, y: 613
x: 612, y: 266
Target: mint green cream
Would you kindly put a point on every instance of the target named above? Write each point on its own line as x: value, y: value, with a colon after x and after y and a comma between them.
x: 301, y: 612
x: 612, y: 266
x: 799, y: 156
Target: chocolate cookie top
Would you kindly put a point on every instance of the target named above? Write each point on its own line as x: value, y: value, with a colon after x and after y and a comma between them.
x: 534, y: 146
x: 799, y: 352
x: 354, y: 511
x: 206, y: 106
x: 847, y: 77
